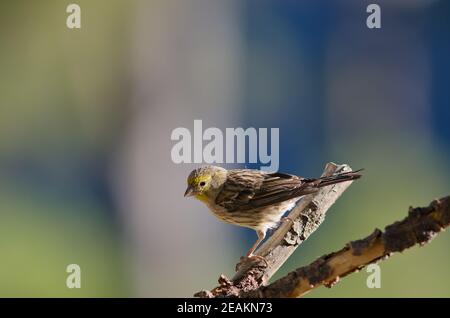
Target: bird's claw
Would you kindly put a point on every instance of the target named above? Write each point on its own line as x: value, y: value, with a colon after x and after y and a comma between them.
x: 254, y: 257
x: 247, y: 261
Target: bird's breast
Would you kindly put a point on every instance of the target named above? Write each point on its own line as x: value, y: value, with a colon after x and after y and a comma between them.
x: 258, y: 218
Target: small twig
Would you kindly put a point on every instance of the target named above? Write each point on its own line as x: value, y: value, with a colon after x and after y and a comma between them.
x: 307, y: 216
x: 418, y: 228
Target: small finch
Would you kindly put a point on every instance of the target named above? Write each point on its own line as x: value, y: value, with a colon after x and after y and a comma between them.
x: 253, y: 198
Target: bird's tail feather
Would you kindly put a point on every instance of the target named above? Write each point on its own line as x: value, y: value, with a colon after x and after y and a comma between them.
x: 342, y: 177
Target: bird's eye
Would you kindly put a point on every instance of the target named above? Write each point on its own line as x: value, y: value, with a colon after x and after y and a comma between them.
x: 202, y: 184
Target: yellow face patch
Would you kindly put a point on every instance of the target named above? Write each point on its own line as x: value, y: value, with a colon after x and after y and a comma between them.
x: 196, y: 181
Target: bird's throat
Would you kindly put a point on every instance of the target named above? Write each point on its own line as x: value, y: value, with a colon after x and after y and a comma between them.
x: 202, y: 197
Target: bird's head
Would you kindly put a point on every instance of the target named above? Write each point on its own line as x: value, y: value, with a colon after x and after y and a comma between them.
x: 205, y: 182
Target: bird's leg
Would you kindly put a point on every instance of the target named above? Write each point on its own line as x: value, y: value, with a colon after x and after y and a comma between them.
x: 261, y: 236
x: 250, y: 255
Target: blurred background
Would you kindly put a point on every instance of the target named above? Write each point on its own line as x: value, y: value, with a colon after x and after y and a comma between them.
x: 86, y: 115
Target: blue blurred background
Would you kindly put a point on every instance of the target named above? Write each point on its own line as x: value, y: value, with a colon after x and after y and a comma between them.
x: 86, y: 115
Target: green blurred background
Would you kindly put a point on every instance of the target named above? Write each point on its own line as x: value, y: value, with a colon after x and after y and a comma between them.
x: 86, y: 115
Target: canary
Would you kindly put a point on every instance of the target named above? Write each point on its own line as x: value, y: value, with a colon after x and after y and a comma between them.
x: 253, y: 198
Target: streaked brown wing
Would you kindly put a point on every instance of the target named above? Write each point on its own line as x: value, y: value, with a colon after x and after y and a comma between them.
x: 249, y: 189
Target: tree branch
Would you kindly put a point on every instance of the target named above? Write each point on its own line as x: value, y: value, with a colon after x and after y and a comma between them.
x: 306, y: 217
x: 418, y: 228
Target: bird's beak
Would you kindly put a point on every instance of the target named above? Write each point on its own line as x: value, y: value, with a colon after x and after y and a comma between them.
x: 189, y: 192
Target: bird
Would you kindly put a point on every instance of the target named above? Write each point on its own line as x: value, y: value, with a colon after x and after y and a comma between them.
x: 253, y: 198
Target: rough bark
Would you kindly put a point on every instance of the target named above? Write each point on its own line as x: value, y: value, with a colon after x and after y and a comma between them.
x: 418, y: 228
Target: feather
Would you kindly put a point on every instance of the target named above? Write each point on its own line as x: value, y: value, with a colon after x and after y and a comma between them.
x: 249, y: 189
